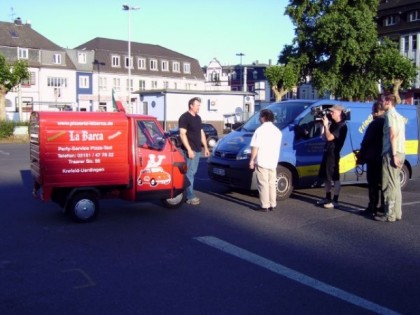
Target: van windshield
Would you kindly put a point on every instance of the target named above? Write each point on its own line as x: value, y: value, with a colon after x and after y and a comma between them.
x: 285, y: 113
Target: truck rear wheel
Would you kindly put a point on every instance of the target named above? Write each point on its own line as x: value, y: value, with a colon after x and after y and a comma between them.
x: 176, y: 202
x: 83, y: 207
x: 284, y: 183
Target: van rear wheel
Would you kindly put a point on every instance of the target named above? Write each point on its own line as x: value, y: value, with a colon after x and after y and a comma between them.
x: 176, y: 202
x: 284, y: 183
x: 83, y: 207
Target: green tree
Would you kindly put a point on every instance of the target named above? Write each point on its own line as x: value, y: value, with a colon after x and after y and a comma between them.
x: 282, y: 79
x: 10, y: 76
x: 395, y: 71
x: 334, y: 43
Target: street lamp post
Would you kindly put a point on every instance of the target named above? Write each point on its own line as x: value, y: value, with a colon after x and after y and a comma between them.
x: 129, y: 8
x: 240, y: 70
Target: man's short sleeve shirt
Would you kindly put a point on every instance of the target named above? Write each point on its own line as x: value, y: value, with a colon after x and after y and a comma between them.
x: 267, y: 138
x: 193, y: 126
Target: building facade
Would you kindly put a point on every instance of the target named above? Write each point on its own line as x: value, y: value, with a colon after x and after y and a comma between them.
x: 245, y: 78
x: 399, y: 20
x: 152, y: 67
x: 86, y: 77
x: 52, y: 82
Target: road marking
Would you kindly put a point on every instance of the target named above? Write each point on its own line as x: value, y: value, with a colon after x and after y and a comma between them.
x: 4, y: 152
x: 292, y: 274
x: 410, y: 203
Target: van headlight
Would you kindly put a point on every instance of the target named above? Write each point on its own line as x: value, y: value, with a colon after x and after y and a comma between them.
x: 244, y: 154
x: 214, y: 149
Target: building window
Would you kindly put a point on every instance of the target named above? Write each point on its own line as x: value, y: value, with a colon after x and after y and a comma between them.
x: 57, y: 59
x: 215, y: 77
x: 22, y: 53
x: 102, y: 84
x: 81, y: 57
x: 141, y: 63
x: 406, y: 43
x: 255, y: 74
x: 187, y: 67
x: 129, y: 62
x: 414, y: 42
x: 116, y: 83
x: 57, y: 82
x: 33, y: 78
x: 30, y: 81
x: 176, y: 67
x: 165, y: 84
x: 129, y: 85
x: 175, y: 85
x: 414, y: 16
x: 390, y: 20
x: 154, y: 85
x: 115, y: 61
x: 84, y: 82
x: 165, y: 65
x: 142, y: 85
x: 153, y: 65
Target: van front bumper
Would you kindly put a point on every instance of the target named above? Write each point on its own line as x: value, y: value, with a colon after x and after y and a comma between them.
x: 235, y: 174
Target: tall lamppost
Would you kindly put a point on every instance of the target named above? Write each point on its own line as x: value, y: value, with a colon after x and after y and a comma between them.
x: 129, y: 8
x: 240, y: 70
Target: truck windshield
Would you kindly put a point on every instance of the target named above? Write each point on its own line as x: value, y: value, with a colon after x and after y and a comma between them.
x: 285, y: 113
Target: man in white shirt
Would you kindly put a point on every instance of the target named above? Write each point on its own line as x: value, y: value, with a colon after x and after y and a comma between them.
x: 265, y: 152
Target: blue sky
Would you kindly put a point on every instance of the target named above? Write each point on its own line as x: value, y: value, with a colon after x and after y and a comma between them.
x: 201, y: 29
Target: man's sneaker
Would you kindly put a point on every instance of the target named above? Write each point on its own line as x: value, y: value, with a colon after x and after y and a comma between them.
x: 322, y: 202
x: 331, y: 205
x: 193, y: 201
x: 383, y: 218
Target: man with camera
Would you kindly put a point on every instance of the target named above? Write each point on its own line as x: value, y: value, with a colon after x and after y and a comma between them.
x: 334, y: 132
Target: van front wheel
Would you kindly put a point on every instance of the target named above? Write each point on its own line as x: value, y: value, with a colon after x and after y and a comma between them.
x: 284, y: 183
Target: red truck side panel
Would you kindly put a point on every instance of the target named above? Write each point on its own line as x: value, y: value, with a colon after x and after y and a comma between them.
x: 71, y: 149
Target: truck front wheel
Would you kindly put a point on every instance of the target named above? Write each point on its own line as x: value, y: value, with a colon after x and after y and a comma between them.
x: 83, y: 207
x: 284, y: 183
x: 175, y: 202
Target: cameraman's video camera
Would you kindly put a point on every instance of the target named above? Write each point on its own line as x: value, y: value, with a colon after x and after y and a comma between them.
x: 318, y: 112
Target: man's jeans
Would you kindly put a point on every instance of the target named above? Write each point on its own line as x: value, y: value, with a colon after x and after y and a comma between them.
x: 192, y: 165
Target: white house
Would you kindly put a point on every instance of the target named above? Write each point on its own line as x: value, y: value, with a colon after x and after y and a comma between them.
x: 217, y: 107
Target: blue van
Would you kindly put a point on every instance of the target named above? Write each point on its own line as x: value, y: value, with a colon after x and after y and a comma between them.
x: 302, y: 146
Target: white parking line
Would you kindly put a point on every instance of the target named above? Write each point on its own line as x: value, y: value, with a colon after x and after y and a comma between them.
x: 410, y: 203
x: 292, y: 274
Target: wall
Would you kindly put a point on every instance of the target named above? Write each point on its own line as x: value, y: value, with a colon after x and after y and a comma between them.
x: 215, y: 107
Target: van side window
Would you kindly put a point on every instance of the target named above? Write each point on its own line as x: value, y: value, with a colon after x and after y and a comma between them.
x: 308, y: 128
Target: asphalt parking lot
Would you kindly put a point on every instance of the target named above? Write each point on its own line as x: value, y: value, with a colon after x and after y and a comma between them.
x: 221, y: 257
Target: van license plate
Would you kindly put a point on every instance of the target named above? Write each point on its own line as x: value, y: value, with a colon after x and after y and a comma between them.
x: 219, y: 171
